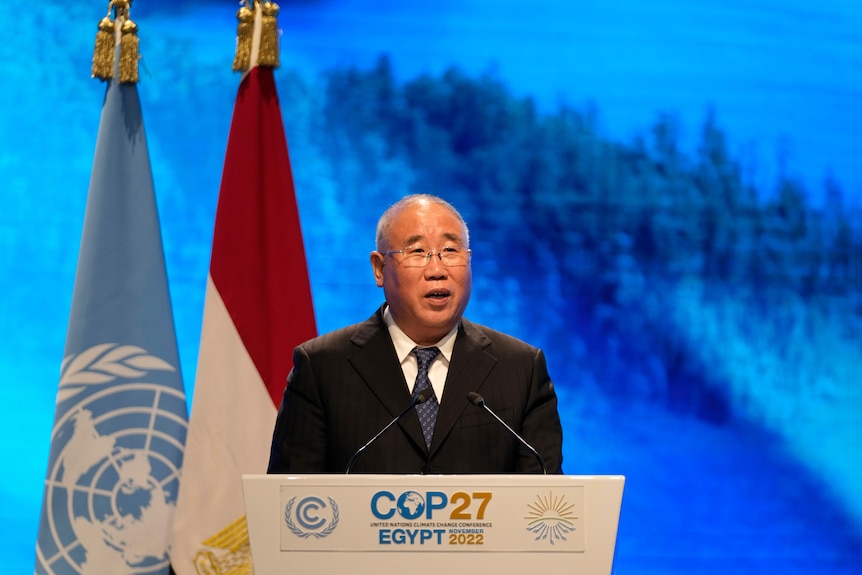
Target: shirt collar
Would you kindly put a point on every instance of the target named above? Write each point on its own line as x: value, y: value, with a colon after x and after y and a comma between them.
x: 404, y: 345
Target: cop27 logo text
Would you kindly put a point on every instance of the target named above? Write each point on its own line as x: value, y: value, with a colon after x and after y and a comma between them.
x: 412, y: 505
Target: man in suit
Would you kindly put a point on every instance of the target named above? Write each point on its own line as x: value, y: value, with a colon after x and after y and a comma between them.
x: 346, y: 385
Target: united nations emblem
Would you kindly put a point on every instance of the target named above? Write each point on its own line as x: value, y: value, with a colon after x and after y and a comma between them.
x: 113, y: 473
x: 311, y: 517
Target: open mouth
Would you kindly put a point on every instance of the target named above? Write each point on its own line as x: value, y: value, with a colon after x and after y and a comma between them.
x: 438, y: 294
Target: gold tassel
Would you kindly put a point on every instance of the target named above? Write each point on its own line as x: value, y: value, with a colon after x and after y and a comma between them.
x: 244, y: 32
x: 268, y: 55
x: 129, y: 43
x: 103, y: 53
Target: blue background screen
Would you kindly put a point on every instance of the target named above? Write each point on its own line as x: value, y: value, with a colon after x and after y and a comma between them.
x: 664, y: 196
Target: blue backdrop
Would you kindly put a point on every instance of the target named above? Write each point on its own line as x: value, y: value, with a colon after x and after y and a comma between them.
x: 665, y: 196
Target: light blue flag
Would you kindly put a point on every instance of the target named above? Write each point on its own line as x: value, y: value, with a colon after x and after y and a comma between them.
x: 120, y: 425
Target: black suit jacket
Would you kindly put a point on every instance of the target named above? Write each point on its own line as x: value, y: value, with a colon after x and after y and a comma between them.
x: 346, y: 385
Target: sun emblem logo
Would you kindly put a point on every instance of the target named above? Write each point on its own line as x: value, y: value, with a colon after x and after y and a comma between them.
x: 550, y: 518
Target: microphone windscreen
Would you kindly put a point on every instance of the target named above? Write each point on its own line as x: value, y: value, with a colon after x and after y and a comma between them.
x: 476, y: 399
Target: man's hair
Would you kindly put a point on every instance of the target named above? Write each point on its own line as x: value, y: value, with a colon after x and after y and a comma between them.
x: 385, y: 221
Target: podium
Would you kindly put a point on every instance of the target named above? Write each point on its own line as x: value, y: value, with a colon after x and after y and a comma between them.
x: 432, y: 524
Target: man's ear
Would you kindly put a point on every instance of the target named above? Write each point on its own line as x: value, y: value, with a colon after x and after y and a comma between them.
x: 377, y: 267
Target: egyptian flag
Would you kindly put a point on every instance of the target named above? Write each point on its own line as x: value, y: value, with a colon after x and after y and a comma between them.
x: 257, y: 309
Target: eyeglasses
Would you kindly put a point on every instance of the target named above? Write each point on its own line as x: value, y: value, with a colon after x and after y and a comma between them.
x: 418, y: 257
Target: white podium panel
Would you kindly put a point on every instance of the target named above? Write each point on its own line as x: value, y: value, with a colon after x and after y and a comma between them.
x: 426, y: 524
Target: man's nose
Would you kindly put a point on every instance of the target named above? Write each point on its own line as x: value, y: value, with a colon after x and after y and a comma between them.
x: 435, y: 267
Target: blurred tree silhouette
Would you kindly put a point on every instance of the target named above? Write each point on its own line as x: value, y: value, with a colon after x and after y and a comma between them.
x: 619, y: 227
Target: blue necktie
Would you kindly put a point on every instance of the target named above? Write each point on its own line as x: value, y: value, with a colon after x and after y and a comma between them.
x: 428, y: 409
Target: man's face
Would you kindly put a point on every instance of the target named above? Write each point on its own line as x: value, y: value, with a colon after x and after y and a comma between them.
x: 425, y: 302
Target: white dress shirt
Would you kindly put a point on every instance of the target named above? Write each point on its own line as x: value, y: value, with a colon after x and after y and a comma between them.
x: 439, y: 368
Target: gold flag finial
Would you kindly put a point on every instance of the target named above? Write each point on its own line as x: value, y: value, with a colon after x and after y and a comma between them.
x: 104, y: 53
x: 267, y: 52
x: 244, y: 35
x: 268, y: 55
x: 129, y: 53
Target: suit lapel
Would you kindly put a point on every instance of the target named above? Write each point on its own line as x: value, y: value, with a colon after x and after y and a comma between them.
x: 468, y: 371
x: 376, y: 362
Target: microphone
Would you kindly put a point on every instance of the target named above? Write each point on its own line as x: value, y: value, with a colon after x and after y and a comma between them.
x: 417, y: 398
x: 479, y: 401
